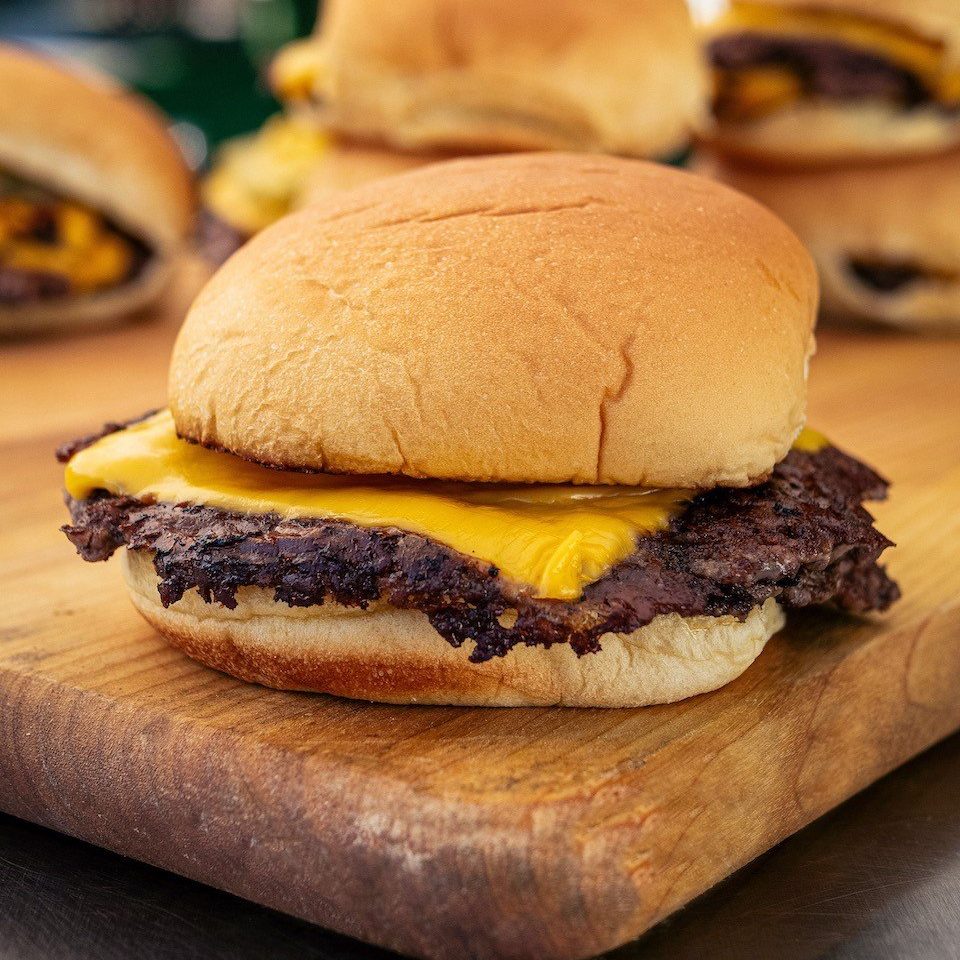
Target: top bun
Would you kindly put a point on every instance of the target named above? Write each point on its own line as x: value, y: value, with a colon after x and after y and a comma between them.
x: 619, y: 76
x: 533, y: 317
x: 81, y: 135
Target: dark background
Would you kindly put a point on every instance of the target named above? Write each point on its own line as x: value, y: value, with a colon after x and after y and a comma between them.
x: 202, y: 61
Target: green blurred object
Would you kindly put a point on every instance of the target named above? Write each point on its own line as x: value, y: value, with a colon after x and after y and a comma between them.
x: 201, y: 61
x: 211, y: 84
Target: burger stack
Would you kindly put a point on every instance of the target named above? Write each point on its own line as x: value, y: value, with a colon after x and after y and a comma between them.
x: 382, y: 88
x: 843, y: 116
x: 511, y: 430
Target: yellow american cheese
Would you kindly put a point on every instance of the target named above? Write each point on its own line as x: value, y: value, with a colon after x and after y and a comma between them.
x: 86, y: 252
x: 810, y: 441
x: 554, y: 538
x: 757, y: 92
x: 925, y: 57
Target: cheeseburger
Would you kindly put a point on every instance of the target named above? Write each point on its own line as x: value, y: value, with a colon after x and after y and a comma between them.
x: 514, y: 430
x: 806, y: 82
x: 436, y: 78
x: 885, y: 237
x: 95, y: 198
x: 620, y: 76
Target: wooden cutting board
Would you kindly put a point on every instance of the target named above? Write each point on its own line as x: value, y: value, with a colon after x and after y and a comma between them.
x: 452, y: 833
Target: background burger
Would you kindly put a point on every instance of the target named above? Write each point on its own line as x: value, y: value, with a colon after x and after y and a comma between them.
x: 95, y: 197
x: 287, y: 164
x: 621, y: 76
x: 806, y: 83
x: 516, y: 430
x: 885, y: 237
x: 381, y: 88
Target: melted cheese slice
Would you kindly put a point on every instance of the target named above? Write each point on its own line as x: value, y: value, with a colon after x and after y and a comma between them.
x: 554, y: 538
x: 84, y: 250
x: 924, y: 57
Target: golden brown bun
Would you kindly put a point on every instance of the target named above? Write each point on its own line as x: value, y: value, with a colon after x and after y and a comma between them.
x: 825, y: 134
x: 620, y: 76
x: 395, y: 656
x: 899, y: 213
x: 80, y: 135
x: 348, y: 165
x: 531, y: 317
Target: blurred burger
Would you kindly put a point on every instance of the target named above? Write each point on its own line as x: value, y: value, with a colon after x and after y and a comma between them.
x: 805, y: 82
x: 389, y: 87
x: 95, y: 198
x: 285, y: 165
x: 885, y: 237
x: 255, y: 180
x: 619, y: 76
x: 509, y: 430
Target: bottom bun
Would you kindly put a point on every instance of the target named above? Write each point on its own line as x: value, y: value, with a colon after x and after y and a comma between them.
x: 394, y: 656
x: 823, y: 133
x: 91, y: 311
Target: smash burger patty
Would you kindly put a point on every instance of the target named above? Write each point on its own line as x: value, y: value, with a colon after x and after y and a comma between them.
x: 825, y: 68
x: 802, y: 537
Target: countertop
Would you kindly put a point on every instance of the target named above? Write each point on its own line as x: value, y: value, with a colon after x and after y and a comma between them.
x: 878, y: 877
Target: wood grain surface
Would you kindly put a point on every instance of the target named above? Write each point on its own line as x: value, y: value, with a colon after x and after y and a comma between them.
x: 444, y: 832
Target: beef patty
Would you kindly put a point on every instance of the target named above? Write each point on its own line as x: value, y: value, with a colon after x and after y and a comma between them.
x: 41, y: 261
x: 825, y: 68
x: 802, y: 536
